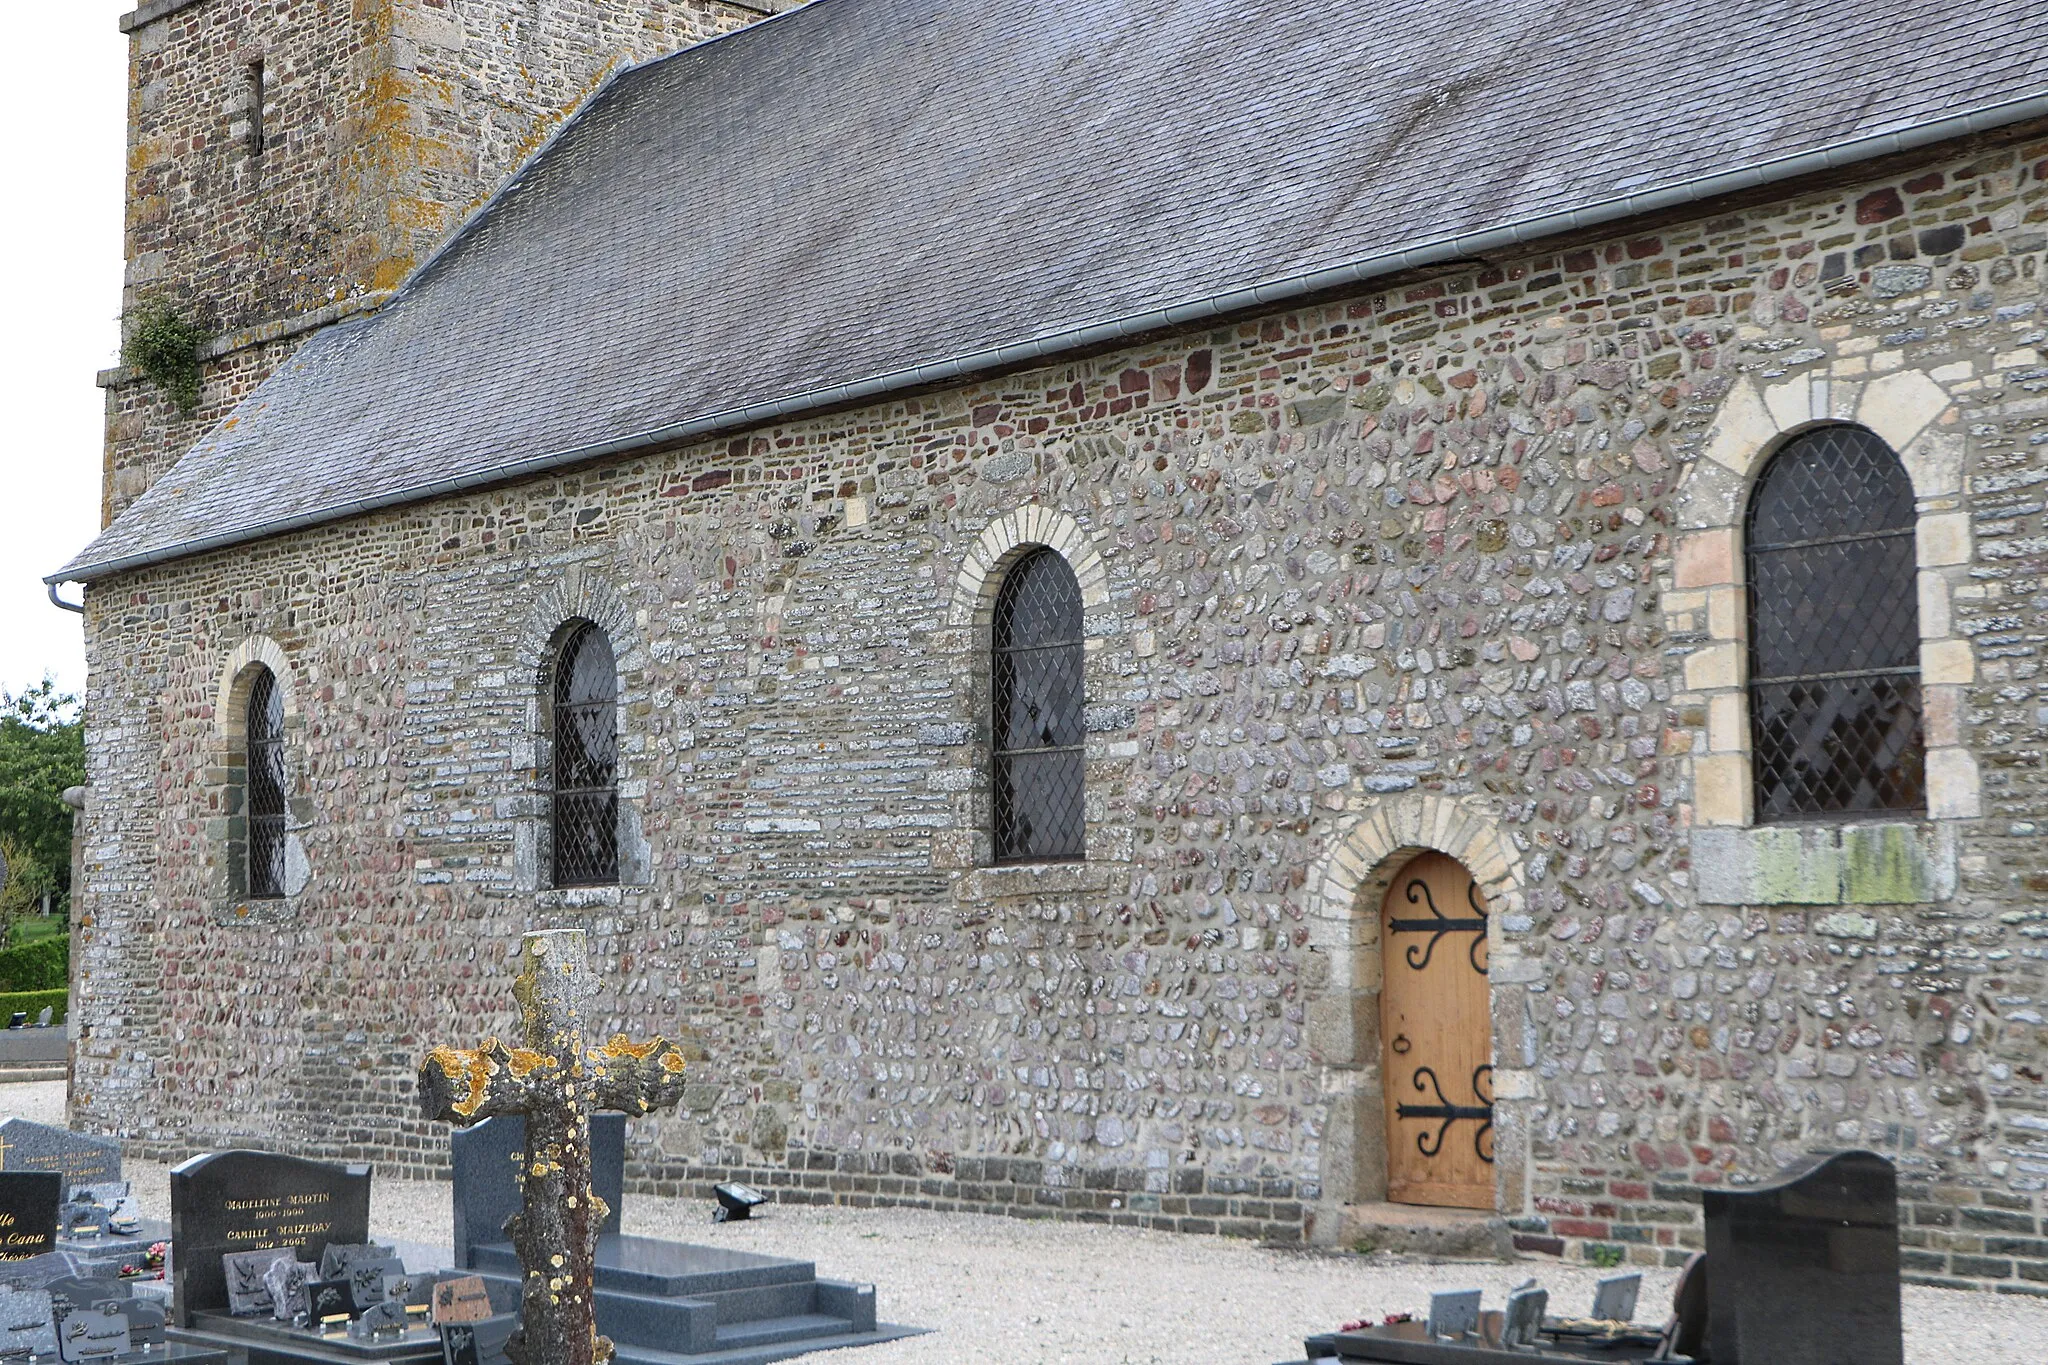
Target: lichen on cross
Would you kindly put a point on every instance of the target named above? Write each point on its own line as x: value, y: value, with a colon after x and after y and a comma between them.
x: 555, y: 1082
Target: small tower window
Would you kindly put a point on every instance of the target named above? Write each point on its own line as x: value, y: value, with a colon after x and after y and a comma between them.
x: 1834, y: 630
x: 586, y: 761
x: 266, y: 783
x: 258, y: 93
x: 1039, y: 768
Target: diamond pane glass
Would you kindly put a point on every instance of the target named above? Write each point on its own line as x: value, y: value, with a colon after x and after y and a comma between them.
x: 1839, y: 745
x: 1834, y: 630
x: 586, y: 761
x: 265, y: 787
x: 1038, y: 731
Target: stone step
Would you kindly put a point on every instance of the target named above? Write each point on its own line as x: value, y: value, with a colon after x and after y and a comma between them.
x: 644, y: 1265
x: 1422, y: 1230
x: 770, y: 1331
x: 759, y: 1352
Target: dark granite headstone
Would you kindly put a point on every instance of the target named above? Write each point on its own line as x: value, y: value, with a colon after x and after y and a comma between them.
x: 257, y: 1201
x: 1806, y: 1266
x: 95, y: 1333
x: 486, y: 1161
x: 287, y: 1280
x: 81, y: 1291
x: 330, y: 1299
x: 124, y: 1211
x: 27, y: 1322
x: 28, y: 1214
x: 80, y: 1158
x: 145, y: 1322
x: 86, y: 1217
x: 458, y: 1344
x: 246, y: 1274
x: 339, y: 1257
x: 366, y: 1279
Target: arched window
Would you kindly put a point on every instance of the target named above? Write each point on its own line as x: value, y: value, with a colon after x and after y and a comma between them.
x: 1038, y: 729
x: 586, y: 761
x: 263, y: 739
x: 1834, y: 630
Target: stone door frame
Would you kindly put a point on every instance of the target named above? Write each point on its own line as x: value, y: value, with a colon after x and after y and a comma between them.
x: 1369, y: 848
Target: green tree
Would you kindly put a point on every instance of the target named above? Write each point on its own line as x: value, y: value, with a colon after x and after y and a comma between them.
x: 42, y: 751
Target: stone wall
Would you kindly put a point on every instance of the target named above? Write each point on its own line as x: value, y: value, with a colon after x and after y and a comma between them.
x: 382, y: 123
x: 1425, y: 568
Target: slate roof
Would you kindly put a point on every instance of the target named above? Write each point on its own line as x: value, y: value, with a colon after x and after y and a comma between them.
x: 857, y: 188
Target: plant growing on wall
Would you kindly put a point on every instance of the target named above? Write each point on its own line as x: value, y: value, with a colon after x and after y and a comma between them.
x: 165, y: 347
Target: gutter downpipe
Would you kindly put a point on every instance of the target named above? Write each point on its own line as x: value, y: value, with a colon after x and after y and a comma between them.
x: 1273, y: 293
x: 57, y: 601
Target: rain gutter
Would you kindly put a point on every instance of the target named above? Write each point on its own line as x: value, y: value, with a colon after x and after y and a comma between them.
x: 1092, y: 336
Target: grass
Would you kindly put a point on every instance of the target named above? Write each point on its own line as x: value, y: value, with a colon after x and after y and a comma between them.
x: 35, y: 928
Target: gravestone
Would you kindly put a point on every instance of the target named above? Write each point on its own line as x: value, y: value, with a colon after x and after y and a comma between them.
x: 79, y: 1291
x: 28, y: 1214
x: 461, y: 1300
x: 488, y: 1188
x: 330, y: 1300
x: 247, y: 1274
x: 287, y: 1279
x: 1805, y: 1267
x: 80, y: 1158
x: 1454, y: 1314
x: 145, y: 1323
x: 256, y: 1201
x: 1614, y: 1298
x: 95, y: 1333
x: 1523, y: 1321
x: 27, y: 1322
x: 124, y: 1211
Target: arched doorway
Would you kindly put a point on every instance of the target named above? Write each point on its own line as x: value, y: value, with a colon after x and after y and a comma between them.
x: 1436, y: 1037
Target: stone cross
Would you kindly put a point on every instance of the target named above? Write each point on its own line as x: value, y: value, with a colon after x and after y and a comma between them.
x: 555, y: 1083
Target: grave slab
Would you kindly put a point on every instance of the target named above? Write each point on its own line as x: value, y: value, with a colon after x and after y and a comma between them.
x: 81, y: 1158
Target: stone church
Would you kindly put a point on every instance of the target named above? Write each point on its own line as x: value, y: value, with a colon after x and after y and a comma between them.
x: 1262, y: 616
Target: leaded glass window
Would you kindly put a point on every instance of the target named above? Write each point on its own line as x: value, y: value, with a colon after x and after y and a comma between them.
x: 1834, y: 630
x: 586, y: 761
x: 1038, y: 731
x: 263, y: 736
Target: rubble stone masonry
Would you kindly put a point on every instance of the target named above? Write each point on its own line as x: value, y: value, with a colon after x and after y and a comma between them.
x: 1446, y: 566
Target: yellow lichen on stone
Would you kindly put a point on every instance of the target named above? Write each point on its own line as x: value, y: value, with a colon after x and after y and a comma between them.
x: 525, y: 1061
x: 621, y: 1046
x: 473, y: 1067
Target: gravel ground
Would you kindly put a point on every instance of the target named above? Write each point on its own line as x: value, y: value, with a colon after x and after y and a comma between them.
x: 1036, y: 1293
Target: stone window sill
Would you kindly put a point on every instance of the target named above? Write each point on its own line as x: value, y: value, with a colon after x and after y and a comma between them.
x: 281, y: 910
x: 584, y: 897
x: 1033, y: 879
x: 1888, y: 862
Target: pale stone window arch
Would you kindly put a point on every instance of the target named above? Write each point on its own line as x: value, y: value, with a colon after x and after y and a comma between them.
x: 255, y: 660
x: 1002, y: 544
x: 582, y: 596
x: 1706, y: 603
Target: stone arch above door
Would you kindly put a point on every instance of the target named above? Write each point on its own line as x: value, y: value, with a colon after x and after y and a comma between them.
x: 1368, y: 849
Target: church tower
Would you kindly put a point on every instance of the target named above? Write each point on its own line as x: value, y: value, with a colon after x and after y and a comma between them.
x: 290, y: 161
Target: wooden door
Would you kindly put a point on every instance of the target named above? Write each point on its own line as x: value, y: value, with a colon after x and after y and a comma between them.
x: 1436, y: 1037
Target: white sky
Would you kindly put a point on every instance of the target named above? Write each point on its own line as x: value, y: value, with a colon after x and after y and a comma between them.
x: 64, y: 65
